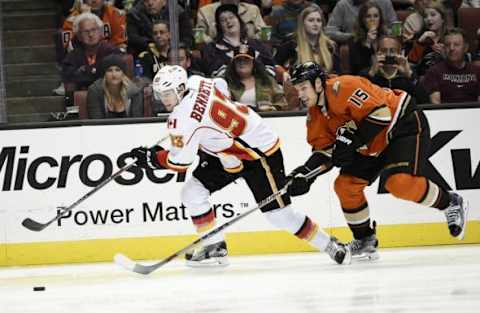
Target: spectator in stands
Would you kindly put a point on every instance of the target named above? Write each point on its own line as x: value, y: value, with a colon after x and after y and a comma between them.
x: 414, y: 24
x: 185, y: 60
x: 114, y: 30
x: 114, y: 94
x: 114, y: 25
x: 249, y: 14
x: 231, y: 33
x: 344, y: 16
x: 285, y: 19
x: 454, y: 79
x: 471, y: 4
x: 80, y: 66
x: 476, y: 55
x: 265, y: 6
x: 370, y: 26
x: 125, y: 4
x: 310, y: 44
x: 140, y: 21
x: 156, y: 55
x: 250, y: 84
x: 390, y: 69
x: 428, y: 49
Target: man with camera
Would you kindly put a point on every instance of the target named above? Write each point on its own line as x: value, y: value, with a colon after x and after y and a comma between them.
x: 390, y: 69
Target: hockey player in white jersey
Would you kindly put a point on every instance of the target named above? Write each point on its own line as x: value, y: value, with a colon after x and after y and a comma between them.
x: 232, y: 141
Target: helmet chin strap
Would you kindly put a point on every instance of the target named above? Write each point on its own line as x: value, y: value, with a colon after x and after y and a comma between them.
x: 319, y: 96
x: 183, y: 93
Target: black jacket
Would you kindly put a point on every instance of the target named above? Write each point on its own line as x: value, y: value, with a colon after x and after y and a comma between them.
x: 217, y: 55
x: 75, y: 68
x: 139, y: 27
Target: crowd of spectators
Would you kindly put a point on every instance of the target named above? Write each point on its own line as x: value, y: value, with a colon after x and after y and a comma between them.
x: 113, y: 49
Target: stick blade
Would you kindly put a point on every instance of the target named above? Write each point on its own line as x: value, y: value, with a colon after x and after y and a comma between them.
x: 132, y: 266
x: 124, y: 262
x: 32, y: 225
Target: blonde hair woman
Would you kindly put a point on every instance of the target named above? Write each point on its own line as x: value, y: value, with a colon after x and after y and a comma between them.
x: 311, y: 43
x: 114, y: 95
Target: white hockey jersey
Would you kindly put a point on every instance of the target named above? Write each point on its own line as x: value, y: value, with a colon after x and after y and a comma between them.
x: 208, y: 120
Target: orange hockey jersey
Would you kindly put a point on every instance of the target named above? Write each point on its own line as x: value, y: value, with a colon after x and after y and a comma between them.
x: 114, y: 26
x: 352, y: 99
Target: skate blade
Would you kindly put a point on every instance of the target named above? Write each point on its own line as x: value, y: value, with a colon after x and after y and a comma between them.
x: 209, y: 263
x: 348, y: 257
x: 465, y: 218
x: 366, y: 257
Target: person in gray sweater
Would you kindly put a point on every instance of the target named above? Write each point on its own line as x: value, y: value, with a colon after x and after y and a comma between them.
x: 342, y: 20
x: 114, y: 94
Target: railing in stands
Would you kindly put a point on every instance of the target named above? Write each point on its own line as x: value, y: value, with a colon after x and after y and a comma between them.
x: 3, y: 98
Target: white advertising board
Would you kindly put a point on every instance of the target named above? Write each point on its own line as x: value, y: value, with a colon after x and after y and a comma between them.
x: 43, y: 169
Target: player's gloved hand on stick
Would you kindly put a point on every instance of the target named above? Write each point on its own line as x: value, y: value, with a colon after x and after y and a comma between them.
x: 299, y: 183
x: 346, y: 145
x: 147, y: 157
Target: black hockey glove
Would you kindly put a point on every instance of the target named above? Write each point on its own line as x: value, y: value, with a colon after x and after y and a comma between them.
x: 299, y: 183
x: 146, y: 157
x: 346, y: 146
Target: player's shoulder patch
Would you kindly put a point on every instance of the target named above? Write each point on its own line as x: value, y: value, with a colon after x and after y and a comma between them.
x: 177, y: 141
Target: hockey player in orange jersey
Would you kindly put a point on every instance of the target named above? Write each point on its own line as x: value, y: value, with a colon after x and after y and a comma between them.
x: 366, y: 130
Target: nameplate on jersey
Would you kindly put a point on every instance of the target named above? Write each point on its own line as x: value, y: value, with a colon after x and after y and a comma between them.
x: 201, y: 102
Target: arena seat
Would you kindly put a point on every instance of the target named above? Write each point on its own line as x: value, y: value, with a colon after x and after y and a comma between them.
x: 147, y: 101
x: 128, y: 58
x: 80, y: 100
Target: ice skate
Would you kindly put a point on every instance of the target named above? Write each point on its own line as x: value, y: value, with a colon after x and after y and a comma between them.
x: 456, y: 214
x: 208, y: 256
x: 365, y: 248
x: 338, y: 252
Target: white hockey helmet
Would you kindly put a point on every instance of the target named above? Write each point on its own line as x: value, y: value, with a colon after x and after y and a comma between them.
x: 168, y: 78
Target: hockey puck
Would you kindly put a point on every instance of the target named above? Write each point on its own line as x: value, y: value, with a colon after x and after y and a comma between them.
x: 39, y: 288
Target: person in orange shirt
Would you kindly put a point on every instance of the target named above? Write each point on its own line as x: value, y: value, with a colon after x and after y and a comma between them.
x: 366, y: 130
x: 114, y: 29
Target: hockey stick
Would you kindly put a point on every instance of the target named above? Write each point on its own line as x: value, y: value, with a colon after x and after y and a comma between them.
x: 132, y: 266
x: 37, y: 226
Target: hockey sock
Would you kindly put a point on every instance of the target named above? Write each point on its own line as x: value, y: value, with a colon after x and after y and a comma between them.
x: 312, y: 233
x: 354, y: 204
x: 417, y: 189
x: 204, y: 223
x: 300, y: 225
x: 358, y: 220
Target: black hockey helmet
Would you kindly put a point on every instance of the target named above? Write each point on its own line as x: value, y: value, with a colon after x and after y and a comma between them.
x: 307, y: 71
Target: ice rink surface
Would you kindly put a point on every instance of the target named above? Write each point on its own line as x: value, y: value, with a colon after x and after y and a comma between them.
x: 437, y: 279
